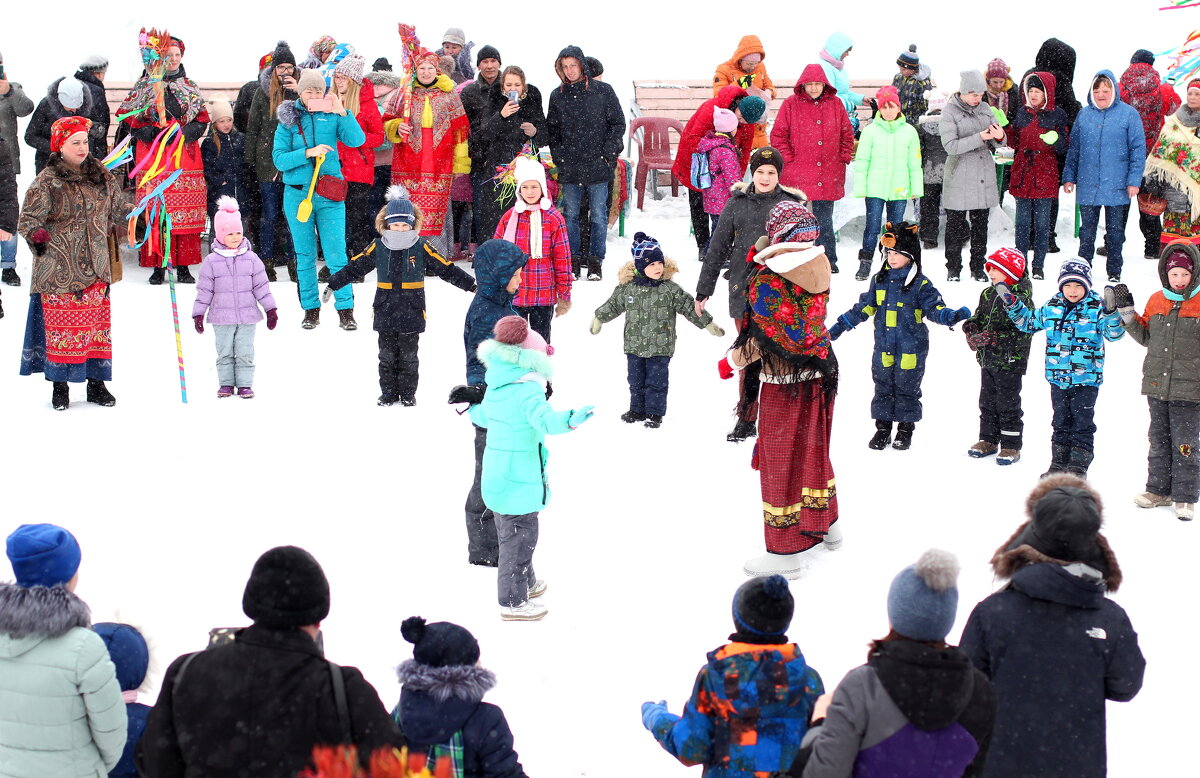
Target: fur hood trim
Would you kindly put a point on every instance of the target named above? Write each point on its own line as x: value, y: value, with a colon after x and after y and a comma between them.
x: 464, y: 682
x: 37, y: 610
x: 287, y: 113
x: 56, y: 105
x: 91, y: 171
x: 383, y: 78
x: 381, y: 219
x: 629, y: 271
x: 1007, y: 559
x: 492, y: 350
x: 742, y: 189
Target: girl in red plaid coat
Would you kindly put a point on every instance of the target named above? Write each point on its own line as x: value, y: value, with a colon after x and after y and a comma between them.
x: 541, y: 232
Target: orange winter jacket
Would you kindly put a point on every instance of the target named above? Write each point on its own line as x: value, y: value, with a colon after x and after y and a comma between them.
x: 730, y: 73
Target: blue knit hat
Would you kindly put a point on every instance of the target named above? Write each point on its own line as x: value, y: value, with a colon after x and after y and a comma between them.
x: 763, y: 606
x: 923, y: 598
x: 399, y: 207
x: 128, y: 651
x: 1075, y: 271
x: 752, y: 107
x: 43, y: 555
x: 645, y: 250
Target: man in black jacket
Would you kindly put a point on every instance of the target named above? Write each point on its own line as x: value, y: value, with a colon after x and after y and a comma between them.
x: 480, y: 99
x: 258, y: 705
x: 586, y: 130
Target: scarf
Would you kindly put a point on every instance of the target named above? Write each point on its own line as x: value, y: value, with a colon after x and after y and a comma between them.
x: 999, y: 99
x: 1187, y: 117
x: 242, y: 248
x: 825, y: 55
x: 191, y: 102
x: 1175, y: 159
x: 399, y: 240
x: 439, y: 104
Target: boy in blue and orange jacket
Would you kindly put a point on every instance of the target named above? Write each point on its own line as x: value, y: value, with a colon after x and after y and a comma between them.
x: 752, y: 701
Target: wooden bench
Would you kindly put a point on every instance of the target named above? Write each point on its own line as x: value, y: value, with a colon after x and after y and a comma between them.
x: 115, y: 92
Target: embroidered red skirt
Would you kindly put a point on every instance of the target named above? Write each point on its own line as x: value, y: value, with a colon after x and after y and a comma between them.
x: 78, y: 328
x: 187, y: 202
x: 429, y: 184
x: 799, y: 496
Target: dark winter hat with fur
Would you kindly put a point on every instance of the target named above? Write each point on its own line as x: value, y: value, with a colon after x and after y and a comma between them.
x: 382, y: 65
x: 440, y: 644
x: 766, y: 155
x: 1065, y: 516
x: 923, y: 598
x: 287, y: 589
x: 282, y: 55
x: 763, y: 607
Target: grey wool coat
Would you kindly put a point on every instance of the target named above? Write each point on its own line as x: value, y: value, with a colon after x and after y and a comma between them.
x: 13, y: 105
x: 969, y: 180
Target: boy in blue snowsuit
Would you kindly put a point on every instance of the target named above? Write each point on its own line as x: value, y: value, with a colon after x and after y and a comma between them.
x: 752, y: 700
x: 901, y: 299
x: 1077, y: 323
x: 498, y: 266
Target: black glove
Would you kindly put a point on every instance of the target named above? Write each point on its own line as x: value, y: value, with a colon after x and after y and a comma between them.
x: 1117, y: 297
x: 472, y: 394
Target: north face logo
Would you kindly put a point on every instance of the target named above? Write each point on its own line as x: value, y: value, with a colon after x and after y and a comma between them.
x: 1098, y: 633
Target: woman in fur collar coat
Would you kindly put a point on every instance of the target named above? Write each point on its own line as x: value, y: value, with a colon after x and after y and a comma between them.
x: 441, y: 709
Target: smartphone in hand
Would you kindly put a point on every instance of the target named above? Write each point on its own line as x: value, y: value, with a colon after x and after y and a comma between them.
x: 513, y: 96
x: 316, y: 104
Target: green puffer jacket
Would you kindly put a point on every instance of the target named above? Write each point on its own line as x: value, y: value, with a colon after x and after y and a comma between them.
x: 650, y: 312
x: 887, y: 164
x: 1011, y: 350
x: 61, y: 712
x: 1169, y: 328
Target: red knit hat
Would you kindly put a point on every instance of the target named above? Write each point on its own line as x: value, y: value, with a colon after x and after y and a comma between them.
x: 887, y: 96
x: 65, y: 128
x: 997, y: 68
x: 1179, y: 258
x: 1008, y: 261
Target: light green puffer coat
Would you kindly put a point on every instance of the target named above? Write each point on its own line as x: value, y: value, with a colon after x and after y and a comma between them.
x: 61, y: 712
x: 887, y: 164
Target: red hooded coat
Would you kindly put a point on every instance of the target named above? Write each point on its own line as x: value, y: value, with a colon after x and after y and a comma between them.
x: 700, y: 124
x: 358, y: 164
x: 1035, y: 162
x: 815, y: 139
x: 1140, y: 88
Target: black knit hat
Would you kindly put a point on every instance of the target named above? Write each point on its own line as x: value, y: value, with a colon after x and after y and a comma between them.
x: 282, y: 55
x: 440, y: 644
x: 594, y: 66
x: 1066, y: 523
x: 287, y: 589
x: 382, y: 65
x: 766, y: 155
x: 488, y: 52
x: 1142, y: 56
x: 763, y: 606
x: 909, y: 58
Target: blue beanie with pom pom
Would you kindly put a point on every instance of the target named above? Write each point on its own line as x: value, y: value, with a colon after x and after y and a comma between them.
x: 923, y: 598
x: 763, y: 606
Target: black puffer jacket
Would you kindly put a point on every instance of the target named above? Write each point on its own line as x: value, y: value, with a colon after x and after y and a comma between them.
x: 256, y: 707
x: 743, y: 221
x: 503, y: 137
x: 9, y: 204
x: 585, y: 126
x: 100, y: 114
x: 50, y: 110
x: 479, y: 99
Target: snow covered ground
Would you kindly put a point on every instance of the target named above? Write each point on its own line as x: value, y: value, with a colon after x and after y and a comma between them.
x: 644, y: 539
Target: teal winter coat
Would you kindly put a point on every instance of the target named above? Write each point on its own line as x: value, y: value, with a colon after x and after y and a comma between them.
x: 298, y: 130
x: 836, y: 45
x: 518, y: 418
x: 887, y: 164
x: 61, y: 711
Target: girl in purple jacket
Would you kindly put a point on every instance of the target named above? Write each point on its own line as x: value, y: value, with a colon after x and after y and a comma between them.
x: 232, y: 286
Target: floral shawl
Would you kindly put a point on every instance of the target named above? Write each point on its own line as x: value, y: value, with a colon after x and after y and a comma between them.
x: 142, y: 95
x: 1175, y: 161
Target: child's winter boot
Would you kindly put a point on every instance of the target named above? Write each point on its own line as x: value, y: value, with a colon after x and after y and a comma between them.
x: 864, y: 265
x: 1079, y: 460
x: 98, y: 393
x: 1008, y: 456
x: 1184, y: 511
x: 882, y: 436
x: 60, y: 396
x: 1151, y: 500
x: 787, y: 565
x: 312, y: 317
x: 1059, y: 456
x: 982, y: 449
x: 653, y: 421
x: 225, y: 391
x: 632, y: 417
x: 904, y: 433
x: 742, y: 430
x: 346, y: 320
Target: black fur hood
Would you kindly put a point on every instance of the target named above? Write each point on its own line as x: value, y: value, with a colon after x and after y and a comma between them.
x: 56, y: 106
x: 436, y: 702
x: 29, y: 615
x: 464, y: 682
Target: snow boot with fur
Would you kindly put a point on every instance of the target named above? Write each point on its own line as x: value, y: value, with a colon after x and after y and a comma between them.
x: 1151, y: 500
x: 982, y: 449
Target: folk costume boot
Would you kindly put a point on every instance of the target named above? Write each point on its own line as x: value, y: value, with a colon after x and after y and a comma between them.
x: 864, y: 265
x: 787, y: 565
x: 904, y: 433
x: 1060, y: 454
x: 156, y: 276
x: 882, y: 437
x: 742, y: 430
x: 60, y: 396
x: 183, y: 275
x: 98, y: 393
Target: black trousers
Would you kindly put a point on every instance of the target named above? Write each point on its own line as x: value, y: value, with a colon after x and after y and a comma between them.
x: 360, y: 219
x: 931, y: 206
x: 957, y: 234
x: 398, y: 363
x: 483, y: 545
x: 699, y: 220
x: 1174, y: 461
x: 1000, y: 414
x: 1074, y: 418
x: 538, y: 316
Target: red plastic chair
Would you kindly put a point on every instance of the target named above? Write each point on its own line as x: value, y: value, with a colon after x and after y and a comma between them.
x: 654, y: 151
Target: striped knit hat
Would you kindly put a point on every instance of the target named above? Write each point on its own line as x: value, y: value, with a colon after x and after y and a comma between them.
x: 1075, y: 271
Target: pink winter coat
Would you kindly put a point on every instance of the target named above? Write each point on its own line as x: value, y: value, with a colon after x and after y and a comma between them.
x: 725, y: 169
x: 815, y: 139
x: 231, y: 287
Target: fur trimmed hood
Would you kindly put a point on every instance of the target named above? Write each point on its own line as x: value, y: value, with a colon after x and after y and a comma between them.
x: 383, y: 78
x: 1017, y: 553
x: 493, y: 353
x: 462, y: 682
x: 38, y: 612
x: 628, y: 271
x: 288, y: 113
x: 56, y: 106
x: 381, y: 219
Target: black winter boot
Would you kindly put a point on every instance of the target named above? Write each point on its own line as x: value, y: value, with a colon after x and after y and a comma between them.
x: 632, y: 417
x: 312, y: 317
x: 323, y: 275
x: 183, y: 275
x: 653, y: 421
x: 577, y: 266
x: 156, y: 276
x: 60, y: 396
x: 10, y: 277
x: 742, y: 430
x: 1053, y: 244
x: 904, y: 431
x: 594, y: 270
x: 882, y: 436
x: 1038, y: 275
x: 291, y: 268
x: 864, y: 265
x: 1060, y: 455
x: 270, y: 266
x: 1079, y: 460
x: 98, y: 393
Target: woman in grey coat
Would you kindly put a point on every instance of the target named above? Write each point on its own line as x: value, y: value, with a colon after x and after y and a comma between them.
x: 968, y: 129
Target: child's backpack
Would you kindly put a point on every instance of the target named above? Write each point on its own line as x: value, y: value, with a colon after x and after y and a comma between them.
x: 701, y: 176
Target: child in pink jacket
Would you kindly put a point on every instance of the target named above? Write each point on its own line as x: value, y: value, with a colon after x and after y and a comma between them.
x: 231, y: 287
x: 723, y: 164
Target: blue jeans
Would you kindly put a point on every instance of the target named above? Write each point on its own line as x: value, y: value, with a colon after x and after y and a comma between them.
x: 1114, y: 233
x: 823, y: 210
x: 649, y: 379
x: 597, y: 195
x: 328, y: 222
x: 1038, y: 212
x: 875, y: 209
x: 272, y: 197
x: 8, y: 252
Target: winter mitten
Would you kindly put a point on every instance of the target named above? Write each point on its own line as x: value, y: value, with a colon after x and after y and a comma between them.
x: 39, y: 238
x: 1005, y: 294
x: 272, y: 318
x: 199, y: 319
x: 596, y: 325
x: 715, y: 329
x: 326, y: 293
x: 651, y: 712
x: 561, y: 307
x: 841, y: 326
x: 962, y: 314
x: 725, y: 368
x: 977, y: 336
x: 472, y: 395
x: 1119, y: 298
x: 580, y: 415
x: 1049, y: 138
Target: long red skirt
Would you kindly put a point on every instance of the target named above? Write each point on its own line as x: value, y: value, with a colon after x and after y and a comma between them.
x: 792, y: 457
x: 428, y: 187
x: 187, y: 202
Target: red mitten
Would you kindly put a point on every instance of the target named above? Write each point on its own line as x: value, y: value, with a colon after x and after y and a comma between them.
x: 40, y: 236
x: 199, y: 319
x: 724, y: 369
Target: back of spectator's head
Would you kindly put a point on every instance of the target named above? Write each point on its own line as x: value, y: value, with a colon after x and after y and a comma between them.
x: 128, y: 650
x: 382, y: 65
x: 923, y: 597
x: 440, y: 644
x: 43, y: 555
x: 595, y: 67
x: 763, y: 607
x: 95, y: 63
x: 287, y: 589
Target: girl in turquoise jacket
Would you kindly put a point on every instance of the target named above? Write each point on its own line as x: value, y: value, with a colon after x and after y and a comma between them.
x: 305, y: 139
x: 887, y: 170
